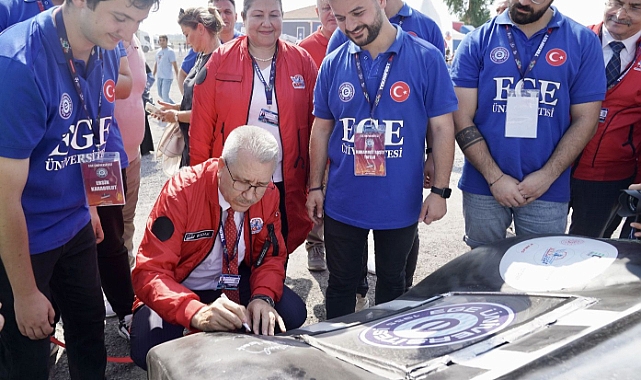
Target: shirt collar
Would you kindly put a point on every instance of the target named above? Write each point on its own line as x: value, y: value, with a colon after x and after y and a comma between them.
x: 630, y: 42
x: 352, y: 48
x: 405, y: 11
x: 222, y: 202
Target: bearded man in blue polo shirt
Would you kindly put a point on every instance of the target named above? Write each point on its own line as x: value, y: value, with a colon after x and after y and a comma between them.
x: 372, y: 108
x: 62, y: 65
x: 530, y: 84
x: 421, y: 26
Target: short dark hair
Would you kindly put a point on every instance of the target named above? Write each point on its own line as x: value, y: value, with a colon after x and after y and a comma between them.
x: 140, y: 4
x: 163, y: 37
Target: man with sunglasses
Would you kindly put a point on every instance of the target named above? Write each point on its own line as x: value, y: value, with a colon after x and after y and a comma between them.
x: 610, y: 161
x: 530, y: 84
x: 212, y: 257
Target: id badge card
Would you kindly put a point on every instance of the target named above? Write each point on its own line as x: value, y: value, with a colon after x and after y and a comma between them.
x: 268, y: 117
x: 522, y: 113
x: 369, y: 151
x: 103, y: 181
x: 228, y: 282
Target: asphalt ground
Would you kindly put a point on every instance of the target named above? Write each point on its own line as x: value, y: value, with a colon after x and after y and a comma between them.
x: 440, y: 243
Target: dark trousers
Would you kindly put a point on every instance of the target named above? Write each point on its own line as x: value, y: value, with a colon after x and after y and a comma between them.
x: 144, y: 336
x: 344, y: 253
x: 69, y: 276
x: 594, y: 206
x: 410, y: 268
x: 113, y: 259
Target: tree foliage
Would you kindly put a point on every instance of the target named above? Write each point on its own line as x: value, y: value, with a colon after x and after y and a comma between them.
x: 471, y: 12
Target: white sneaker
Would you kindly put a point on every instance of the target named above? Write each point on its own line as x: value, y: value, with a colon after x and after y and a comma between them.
x: 361, y: 303
x: 124, y: 325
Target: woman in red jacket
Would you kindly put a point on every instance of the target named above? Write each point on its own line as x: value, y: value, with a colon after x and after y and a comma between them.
x: 260, y: 80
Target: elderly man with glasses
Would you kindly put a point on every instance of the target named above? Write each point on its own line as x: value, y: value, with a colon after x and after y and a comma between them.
x: 530, y: 84
x: 610, y: 161
x: 212, y: 257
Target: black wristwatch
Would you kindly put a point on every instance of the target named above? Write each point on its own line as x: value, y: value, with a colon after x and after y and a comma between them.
x: 445, y: 193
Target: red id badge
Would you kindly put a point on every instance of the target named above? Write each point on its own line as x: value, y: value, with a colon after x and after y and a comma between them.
x: 369, y: 153
x: 103, y: 181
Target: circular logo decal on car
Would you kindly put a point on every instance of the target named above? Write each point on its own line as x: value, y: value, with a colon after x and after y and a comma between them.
x: 555, y: 262
x: 439, y: 326
x: 346, y: 92
x: 499, y: 55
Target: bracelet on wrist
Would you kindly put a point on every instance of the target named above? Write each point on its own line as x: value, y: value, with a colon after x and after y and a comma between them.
x: 321, y: 187
x: 496, y: 180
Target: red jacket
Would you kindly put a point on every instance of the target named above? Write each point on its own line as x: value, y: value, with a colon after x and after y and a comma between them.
x: 188, y: 204
x: 221, y: 103
x: 613, y: 152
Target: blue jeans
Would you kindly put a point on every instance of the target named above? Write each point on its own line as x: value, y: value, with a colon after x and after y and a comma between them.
x: 344, y: 253
x: 486, y: 221
x: 164, y: 85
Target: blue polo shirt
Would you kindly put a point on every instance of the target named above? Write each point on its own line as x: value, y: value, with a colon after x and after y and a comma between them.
x: 569, y: 71
x: 44, y: 121
x: 409, y: 99
x: 14, y: 11
x: 411, y: 21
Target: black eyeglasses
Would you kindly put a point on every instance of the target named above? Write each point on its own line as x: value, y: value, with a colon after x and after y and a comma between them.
x: 243, y: 186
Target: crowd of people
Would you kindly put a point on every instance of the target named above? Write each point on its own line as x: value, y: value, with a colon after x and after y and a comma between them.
x: 322, y: 141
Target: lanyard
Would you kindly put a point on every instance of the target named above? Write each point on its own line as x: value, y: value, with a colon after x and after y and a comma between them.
x: 379, y: 92
x: 272, y: 77
x: 41, y: 6
x: 517, y: 56
x: 66, y: 50
x: 226, y: 255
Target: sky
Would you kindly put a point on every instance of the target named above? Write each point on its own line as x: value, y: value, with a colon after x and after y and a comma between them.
x: 164, y: 20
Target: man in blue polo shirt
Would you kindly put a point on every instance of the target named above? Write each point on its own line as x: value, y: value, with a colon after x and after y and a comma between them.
x: 372, y: 108
x: 421, y: 26
x: 47, y: 243
x: 530, y: 84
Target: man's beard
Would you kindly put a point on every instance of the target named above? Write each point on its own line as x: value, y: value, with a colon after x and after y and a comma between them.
x: 527, y: 18
x: 373, y: 31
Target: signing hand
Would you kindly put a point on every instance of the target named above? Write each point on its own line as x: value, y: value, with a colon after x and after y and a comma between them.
x: 220, y: 315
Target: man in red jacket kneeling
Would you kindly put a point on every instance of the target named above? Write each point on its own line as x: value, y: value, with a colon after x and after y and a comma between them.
x: 212, y: 257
